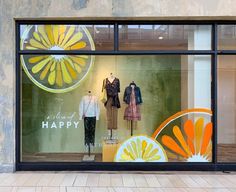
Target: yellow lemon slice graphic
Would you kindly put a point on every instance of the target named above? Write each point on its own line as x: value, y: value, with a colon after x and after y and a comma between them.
x: 56, y: 73
x: 140, y: 149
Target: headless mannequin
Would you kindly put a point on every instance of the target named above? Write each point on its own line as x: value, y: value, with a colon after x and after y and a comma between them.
x: 89, y: 147
x: 112, y: 104
x: 89, y: 112
x: 132, y: 112
x: 132, y: 123
x: 111, y: 79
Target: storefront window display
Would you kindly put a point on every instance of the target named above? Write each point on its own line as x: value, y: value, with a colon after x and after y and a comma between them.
x: 88, y: 107
x: 142, y: 92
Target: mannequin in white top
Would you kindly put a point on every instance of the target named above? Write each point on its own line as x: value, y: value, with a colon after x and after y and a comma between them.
x: 89, y: 111
x: 89, y: 106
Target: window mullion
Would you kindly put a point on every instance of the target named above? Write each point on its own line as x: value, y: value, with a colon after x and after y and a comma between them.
x: 116, y: 37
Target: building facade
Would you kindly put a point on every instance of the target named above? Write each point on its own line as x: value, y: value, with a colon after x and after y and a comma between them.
x: 166, y: 74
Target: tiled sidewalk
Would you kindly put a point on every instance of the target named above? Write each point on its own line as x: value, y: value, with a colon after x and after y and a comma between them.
x: 117, y: 182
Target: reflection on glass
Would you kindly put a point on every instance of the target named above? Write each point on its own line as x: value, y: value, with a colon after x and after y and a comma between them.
x: 226, y: 109
x: 52, y: 128
x: 226, y: 37
x: 165, y: 37
x: 66, y: 37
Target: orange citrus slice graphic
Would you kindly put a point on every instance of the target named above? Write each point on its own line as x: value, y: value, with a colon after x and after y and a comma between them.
x: 186, y: 136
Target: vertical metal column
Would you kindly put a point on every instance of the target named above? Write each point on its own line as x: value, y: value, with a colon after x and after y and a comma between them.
x: 214, y: 93
x: 17, y: 97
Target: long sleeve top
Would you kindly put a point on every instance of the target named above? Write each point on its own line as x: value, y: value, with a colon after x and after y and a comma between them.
x: 89, y: 107
x: 137, y: 93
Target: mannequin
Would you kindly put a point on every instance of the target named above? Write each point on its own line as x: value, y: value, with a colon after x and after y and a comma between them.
x: 132, y: 97
x: 112, y: 86
x: 89, y: 111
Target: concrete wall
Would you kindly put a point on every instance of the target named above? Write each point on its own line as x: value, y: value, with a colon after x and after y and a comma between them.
x: 150, y: 9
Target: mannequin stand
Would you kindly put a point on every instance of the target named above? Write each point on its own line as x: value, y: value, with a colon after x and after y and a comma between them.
x: 111, y: 134
x: 131, y: 128
x: 111, y: 140
x: 89, y: 157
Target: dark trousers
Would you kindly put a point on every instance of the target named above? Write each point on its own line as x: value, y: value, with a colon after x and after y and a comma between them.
x: 89, y: 130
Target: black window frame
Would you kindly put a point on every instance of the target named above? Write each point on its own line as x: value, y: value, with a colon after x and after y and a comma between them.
x: 183, y: 166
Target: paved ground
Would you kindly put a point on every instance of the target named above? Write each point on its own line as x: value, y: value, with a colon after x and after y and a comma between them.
x: 118, y: 182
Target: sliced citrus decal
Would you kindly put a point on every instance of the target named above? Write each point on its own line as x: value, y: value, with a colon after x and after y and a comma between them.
x: 190, y: 143
x: 56, y: 73
x: 140, y: 149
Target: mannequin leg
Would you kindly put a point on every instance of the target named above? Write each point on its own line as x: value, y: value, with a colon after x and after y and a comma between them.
x: 111, y: 134
x: 89, y: 150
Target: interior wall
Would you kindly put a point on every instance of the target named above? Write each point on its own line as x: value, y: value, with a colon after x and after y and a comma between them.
x: 160, y: 94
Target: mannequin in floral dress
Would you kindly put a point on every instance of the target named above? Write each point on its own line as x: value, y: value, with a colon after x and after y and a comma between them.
x: 132, y: 97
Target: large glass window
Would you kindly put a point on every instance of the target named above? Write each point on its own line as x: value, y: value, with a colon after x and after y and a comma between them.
x: 52, y: 128
x: 226, y: 108
x: 108, y: 107
x: 165, y: 37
